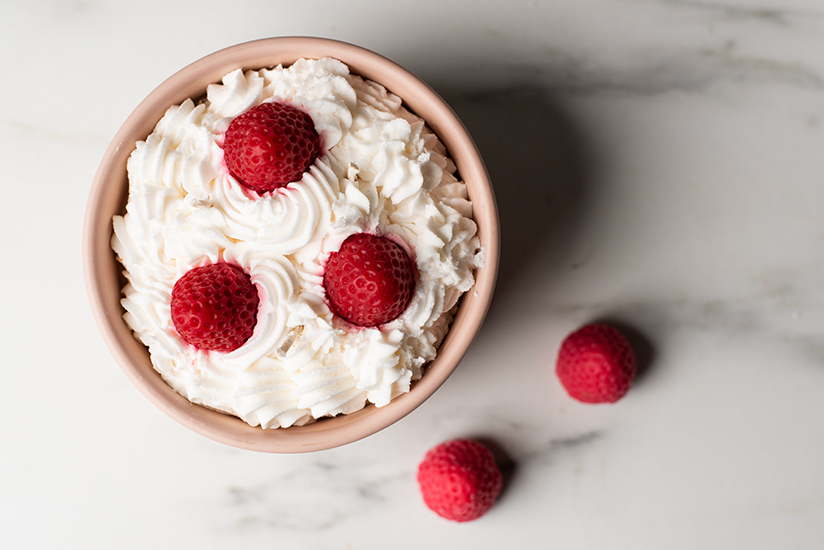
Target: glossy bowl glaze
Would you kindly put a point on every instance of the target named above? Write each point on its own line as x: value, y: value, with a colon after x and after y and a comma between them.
x: 108, y: 198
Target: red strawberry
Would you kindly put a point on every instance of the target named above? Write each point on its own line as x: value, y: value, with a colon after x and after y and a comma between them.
x: 214, y: 307
x: 596, y: 364
x: 459, y: 480
x: 369, y: 281
x: 270, y: 145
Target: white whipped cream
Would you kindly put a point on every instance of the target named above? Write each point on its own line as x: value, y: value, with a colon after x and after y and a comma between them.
x: 381, y: 170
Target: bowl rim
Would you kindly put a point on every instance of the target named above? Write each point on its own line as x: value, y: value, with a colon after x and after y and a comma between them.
x: 105, y: 199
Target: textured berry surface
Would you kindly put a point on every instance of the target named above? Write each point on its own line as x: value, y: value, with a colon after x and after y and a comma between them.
x: 596, y: 364
x: 369, y: 281
x: 214, y: 307
x: 459, y: 480
x: 270, y: 145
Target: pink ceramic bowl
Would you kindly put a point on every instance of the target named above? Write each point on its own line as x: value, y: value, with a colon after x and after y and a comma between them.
x: 108, y: 197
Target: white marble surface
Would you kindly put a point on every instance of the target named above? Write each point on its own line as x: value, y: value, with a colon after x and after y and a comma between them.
x: 658, y: 163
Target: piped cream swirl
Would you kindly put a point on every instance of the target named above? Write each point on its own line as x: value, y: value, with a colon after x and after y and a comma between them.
x: 380, y: 170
